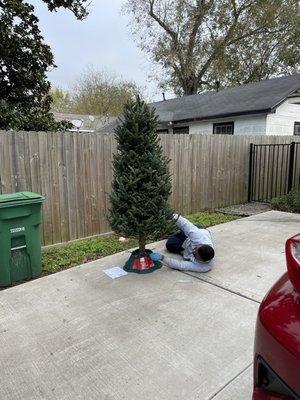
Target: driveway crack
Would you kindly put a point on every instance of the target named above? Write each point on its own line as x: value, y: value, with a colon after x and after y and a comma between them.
x: 230, y: 381
x: 222, y: 287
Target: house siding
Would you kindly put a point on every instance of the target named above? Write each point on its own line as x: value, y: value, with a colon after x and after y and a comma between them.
x: 282, y: 121
x: 243, y: 125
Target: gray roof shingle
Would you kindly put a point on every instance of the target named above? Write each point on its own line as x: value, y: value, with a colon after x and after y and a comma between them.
x: 251, y: 98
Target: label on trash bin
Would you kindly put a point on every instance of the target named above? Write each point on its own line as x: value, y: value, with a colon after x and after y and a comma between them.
x: 17, y: 230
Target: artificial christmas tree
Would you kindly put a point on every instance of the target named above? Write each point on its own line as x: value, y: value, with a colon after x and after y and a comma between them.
x: 141, y: 185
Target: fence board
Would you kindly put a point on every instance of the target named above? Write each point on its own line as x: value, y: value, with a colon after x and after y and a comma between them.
x: 54, y: 182
x: 79, y: 188
x: 71, y: 205
x: 7, y: 181
x: 45, y: 186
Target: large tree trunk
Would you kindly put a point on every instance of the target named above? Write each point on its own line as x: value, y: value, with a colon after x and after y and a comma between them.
x: 142, y: 245
x: 190, y: 85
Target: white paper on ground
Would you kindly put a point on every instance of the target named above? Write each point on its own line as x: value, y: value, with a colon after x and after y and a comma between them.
x: 115, y: 272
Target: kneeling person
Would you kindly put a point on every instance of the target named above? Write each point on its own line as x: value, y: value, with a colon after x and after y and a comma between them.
x: 195, y: 245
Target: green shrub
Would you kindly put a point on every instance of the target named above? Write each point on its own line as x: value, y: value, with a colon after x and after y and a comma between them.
x: 289, y: 202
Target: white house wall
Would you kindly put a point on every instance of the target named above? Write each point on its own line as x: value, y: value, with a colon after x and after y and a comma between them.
x: 204, y: 128
x: 282, y: 121
x: 243, y: 125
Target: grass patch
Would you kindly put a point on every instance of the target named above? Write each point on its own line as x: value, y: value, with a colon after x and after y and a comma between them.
x: 208, y: 219
x: 289, y: 202
x: 59, y: 258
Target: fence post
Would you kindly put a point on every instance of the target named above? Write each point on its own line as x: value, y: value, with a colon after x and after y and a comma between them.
x: 291, y: 166
x: 250, y: 173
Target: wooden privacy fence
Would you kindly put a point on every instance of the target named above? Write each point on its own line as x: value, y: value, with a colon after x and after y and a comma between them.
x: 74, y: 172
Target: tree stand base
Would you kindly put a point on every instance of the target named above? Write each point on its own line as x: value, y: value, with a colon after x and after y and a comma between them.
x: 141, y: 264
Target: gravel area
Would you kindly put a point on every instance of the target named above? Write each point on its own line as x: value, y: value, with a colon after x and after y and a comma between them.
x: 246, y: 209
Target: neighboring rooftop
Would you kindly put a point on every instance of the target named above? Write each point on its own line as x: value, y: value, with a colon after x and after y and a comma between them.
x: 251, y: 98
x: 84, y: 123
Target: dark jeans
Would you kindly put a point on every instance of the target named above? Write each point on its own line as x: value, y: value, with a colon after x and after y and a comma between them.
x: 175, y: 242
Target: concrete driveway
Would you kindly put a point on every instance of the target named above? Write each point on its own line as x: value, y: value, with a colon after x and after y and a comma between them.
x: 79, y: 335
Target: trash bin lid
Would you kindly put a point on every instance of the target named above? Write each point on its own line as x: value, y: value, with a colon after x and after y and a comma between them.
x: 19, y: 198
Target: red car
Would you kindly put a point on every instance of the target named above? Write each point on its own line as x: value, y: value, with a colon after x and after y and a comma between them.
x: 277, y: 338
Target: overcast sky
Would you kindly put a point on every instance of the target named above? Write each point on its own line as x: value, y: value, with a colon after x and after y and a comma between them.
x: 103, y: 41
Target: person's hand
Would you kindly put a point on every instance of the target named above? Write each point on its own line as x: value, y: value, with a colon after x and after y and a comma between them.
x: 156, y: 257
x: 176, y: 217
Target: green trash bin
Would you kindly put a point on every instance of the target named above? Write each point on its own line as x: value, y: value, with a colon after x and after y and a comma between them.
x: 20, y: 241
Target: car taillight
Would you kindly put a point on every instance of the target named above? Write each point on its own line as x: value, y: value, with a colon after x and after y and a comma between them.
x: 292, y: 252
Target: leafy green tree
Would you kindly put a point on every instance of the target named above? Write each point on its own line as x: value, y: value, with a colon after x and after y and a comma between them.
x: 61, y: 100
x: 76, y: 6
x: 199, y: 42
x: 102, y: 94
x: 24, y: 60
x: 96, y: 93
x: 141, y: 184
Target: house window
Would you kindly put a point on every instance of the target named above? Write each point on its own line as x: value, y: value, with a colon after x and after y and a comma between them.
x: 297, y: 128
x: 223, y: 128
x: 181, y: 129
x: 162, y: 131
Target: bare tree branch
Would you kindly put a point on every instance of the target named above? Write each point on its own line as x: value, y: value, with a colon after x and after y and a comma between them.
x: 197, y: 22
x: 197, y: 38
x: 161, y: 22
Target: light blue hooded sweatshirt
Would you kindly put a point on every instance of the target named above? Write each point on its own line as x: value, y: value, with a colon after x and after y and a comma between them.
x: 195, y: 237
